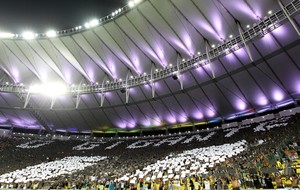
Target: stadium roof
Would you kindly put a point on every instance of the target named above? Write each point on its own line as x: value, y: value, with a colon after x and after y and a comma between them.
x: 157, y: 63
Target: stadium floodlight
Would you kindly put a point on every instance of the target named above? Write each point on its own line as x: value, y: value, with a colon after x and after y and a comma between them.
x: 6, y: 35
x: 51, y: 90
x: 230, y: 36
x: 28, y: 35
x: 87, y: 25
x: 51, y: 34
x: 131, y: 4
x: 270, y: 12
x: 94, y: 22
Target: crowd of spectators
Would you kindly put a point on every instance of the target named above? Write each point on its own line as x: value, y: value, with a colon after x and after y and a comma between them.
x: 269, y: 160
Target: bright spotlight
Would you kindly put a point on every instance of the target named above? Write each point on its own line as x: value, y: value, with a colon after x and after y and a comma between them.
x: 6, y: 35
x: 230, y: 36
x: 213, y: 46
x: 131, y: 4
x: 87, y: 25
x: 51, y: 34
x: 51, y: 90
x: 270, y: 12
x: 28, y: 35
x: 94, y: 22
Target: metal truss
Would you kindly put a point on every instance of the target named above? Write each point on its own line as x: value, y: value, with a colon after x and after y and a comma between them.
x: 257, y: 31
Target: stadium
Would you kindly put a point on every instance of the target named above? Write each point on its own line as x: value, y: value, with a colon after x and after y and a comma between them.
x: 158, y: 94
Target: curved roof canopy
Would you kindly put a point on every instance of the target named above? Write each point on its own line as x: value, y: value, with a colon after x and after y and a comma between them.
x: 162, y: 62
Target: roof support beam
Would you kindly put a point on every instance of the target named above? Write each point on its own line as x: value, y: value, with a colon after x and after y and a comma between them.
x: 152, y: 82
x: 27, y: 99
x: 126, y: 87
x: 77, y: 100
x: 53, y: 99
x: 244, y: 42
x: 209, y: 60
x: 178, y: 71
x: 102, y: 97
x: 289, y: 18
x: 78, y: 96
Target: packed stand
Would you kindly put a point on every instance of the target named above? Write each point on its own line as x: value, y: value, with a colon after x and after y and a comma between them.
x: 265, y: 156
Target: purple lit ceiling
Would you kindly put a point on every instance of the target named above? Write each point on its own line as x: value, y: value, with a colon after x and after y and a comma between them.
x: 155, y: 32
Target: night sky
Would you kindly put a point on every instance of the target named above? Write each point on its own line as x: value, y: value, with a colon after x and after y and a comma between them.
x: 39, y: 16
